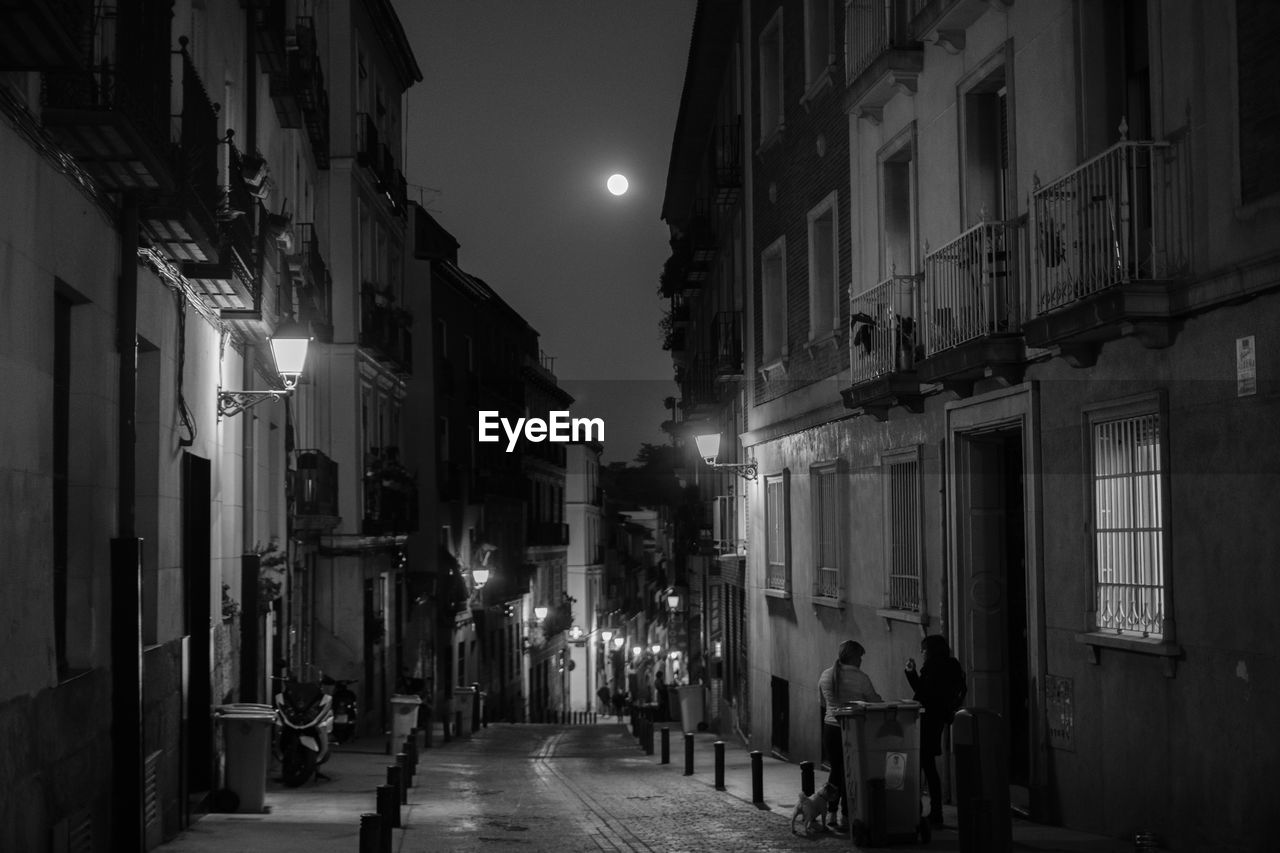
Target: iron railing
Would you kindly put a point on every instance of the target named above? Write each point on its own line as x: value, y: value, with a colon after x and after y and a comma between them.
x: 873, y: 26
x: 1120, y: 217
x: 971, y: 288
x: 315, y: 484
x: 884, y: 338
x: 726, y: 343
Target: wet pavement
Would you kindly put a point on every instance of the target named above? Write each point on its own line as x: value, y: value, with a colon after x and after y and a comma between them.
x: 556, y: 788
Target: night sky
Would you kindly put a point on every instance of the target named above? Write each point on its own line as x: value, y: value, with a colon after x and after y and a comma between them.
x: 525, y: 109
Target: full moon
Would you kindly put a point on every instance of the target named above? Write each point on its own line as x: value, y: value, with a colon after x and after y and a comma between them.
x: 617, y: 184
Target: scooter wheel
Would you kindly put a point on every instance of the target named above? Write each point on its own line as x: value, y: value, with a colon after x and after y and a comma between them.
x: 861, y: 833
x: 224, y: 800
x: 924, y: 831
x: 299, y: 764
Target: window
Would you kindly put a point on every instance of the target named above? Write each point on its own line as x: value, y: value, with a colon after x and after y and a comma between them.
x: 826, y: 532
x: 1125, y: 445
x: 985, y: 157
x: 903, y: 539
x: 1258, y: 108
x: 724, y: 524
x: 897, y: 185
x: 818, y: 55
x: 771, y: 113
x: 773, y: 314
x: 824, y: 267
x: 777, y: 512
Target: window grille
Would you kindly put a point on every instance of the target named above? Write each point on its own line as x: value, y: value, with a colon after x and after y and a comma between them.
x: 902, y: 498
x: 778, y: 572
x: 1129, y: 526
x: 826, y: 517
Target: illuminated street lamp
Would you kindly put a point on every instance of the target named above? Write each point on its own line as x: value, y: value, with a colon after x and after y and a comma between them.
x: 540, y: 612
x: 289, y: 348
x: 709, y: 449
x: 619, y: 642
x: 606, y: 635
x: 673, y: 600
x: 480, y: 577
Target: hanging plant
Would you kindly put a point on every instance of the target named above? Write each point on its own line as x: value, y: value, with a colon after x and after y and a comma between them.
x: 272, y: 566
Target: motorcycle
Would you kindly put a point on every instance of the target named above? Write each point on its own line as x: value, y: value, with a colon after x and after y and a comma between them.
x: 345, y: 710
x: 305, y: 717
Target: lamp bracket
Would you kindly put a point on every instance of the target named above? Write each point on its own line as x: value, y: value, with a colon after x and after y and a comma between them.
x: 234, y: 402
x: 746, y: 470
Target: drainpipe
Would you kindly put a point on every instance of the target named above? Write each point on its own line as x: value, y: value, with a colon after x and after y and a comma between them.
x: 126, y: 563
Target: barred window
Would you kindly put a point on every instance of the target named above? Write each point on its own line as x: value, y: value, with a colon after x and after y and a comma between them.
x: 826, y: 532
x: 1128, y: 524
x: 903, y: 541
x: 776, y: 512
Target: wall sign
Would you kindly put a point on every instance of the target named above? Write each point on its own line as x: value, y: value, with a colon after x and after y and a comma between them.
x: 1060, y: 705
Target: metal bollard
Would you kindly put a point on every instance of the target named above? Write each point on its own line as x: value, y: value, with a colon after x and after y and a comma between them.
x: 395, y: 776
x: 370, y: 833
x: 457, y: 724
x: 411, y: 750
x: 388, y: 800
x: 806, y: 778
x: 688, y: 753
x: 406, y: 778
x: 666, y: 745
x: 757, y: 777
x: 719, y: 765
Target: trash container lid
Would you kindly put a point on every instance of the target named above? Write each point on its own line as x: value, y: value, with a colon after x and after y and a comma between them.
x: 863, y: 707
x: 406, y: 699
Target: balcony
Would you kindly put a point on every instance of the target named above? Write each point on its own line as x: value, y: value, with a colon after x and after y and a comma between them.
x: 699, y: 392
x: 299, y: 93
x: 882, y: 55
x: 726, y: 345
x: 1109, y: 237
x: 312, y: 282
x: 373, y: 154
x: 884, y: 347
x: 112, y: 112
x: 41, y: 35
x: 727, y: 162
x: 390, y: 494
x: 385, y: 328
x: 548, y: 534
x: 315, y: 492
x: 970, y: 322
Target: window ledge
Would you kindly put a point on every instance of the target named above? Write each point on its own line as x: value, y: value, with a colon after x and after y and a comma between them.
x: 891, y: 615
x: 777, y: 593
x: 830, y: 338
x: 816, y: 88
x: 1164, y: 649
x: 775, y: 369
x: 772, y: 139
x: 828, y: 601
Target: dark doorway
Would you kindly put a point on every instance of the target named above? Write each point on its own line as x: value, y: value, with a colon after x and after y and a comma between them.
x: 781, y: 715
x: 197, y: 744
x: 995, y: 589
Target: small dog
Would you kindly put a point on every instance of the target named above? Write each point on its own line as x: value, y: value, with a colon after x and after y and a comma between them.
x: 813, y: 810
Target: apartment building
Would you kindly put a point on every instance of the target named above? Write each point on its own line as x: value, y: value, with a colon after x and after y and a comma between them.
x: 173, y: 214
x: 1054, y: 266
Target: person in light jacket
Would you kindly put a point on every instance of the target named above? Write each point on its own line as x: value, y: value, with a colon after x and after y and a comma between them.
x: 841, y: 683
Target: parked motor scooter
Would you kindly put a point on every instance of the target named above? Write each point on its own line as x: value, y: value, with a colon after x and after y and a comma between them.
x: 305, y: 718
x: 346, y: 712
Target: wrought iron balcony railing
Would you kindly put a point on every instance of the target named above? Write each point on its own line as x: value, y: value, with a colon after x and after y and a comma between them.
x: 373, y: 153
x: 385, y: 328
x: 971, y: 288
x: 1120, y: 217
x: 727, y: 161
x: 39, y: 35
x: 270, y: 20
x: 390, y: 494
x: 873, y: 27
x: 726, y: 344
x: 884, y: 339
x: 313, y: 283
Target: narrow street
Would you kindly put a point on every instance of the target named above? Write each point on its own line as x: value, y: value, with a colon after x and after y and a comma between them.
x: 515, y: 787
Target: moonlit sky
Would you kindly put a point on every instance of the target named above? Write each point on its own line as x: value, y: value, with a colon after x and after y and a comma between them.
x: 525, y: 110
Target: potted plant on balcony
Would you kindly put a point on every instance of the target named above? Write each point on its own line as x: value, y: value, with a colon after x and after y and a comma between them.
x: 272, y: 565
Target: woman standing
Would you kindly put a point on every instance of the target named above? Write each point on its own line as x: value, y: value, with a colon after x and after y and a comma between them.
x: 841, y: 683
x: 940, y: 687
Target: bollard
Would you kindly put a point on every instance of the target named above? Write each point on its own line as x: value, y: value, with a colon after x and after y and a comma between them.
x: 719, y: 765
x: 457, y: 724
x: 757, y: 777
x: 411, y: 750
x: 370, y: 833
x: 388, y: 800
x: 688, y: 753
x: 806, y: 778
x: 402, y: 761
x: 395, y: 776
x: 666, y: 745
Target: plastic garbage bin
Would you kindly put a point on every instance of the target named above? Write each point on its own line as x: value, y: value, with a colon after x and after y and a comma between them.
x: 463, y: 707
x: 404, y: 716
x: 693, y: 707
x: 881, y: 742
x: 246, y: 731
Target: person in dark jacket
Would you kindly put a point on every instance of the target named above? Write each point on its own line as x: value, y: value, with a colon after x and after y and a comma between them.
x: 940, y: 688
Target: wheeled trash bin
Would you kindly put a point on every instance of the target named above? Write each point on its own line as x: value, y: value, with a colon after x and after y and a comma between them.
x: 881, y: 742
x: 246, y: 732
x: 693, y: 707
x: 404, y: 718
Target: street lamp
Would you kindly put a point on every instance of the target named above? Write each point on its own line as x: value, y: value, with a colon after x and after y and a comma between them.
x: 606, y: 635
x: 619, y: 642
x: 540, y: 612
x: 480, y: 577
x: 656, y: 648
x: 289, y: 349
x: 709, y: 449
x: 673, y: 601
